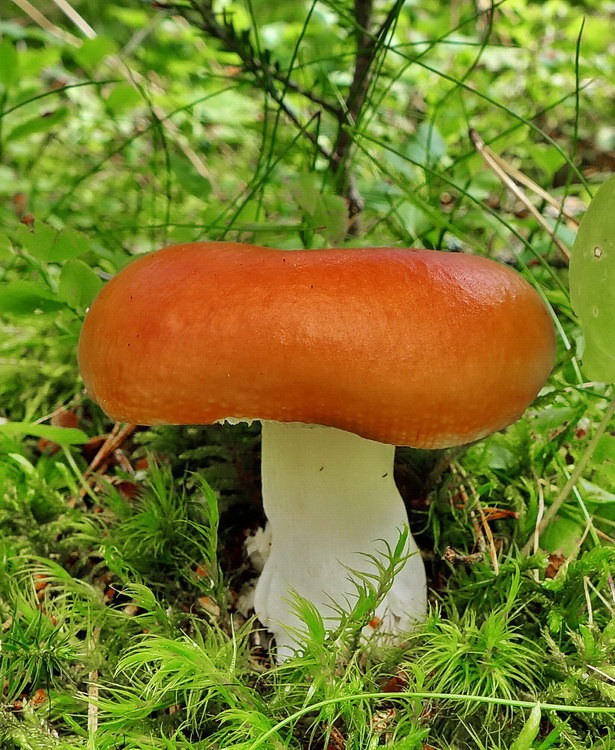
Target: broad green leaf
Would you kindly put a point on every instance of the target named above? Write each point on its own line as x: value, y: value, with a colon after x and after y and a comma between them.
x: 38, y: 124
x: 562, y: 535
x: 92, y: 51
x: 24, y: 297
x: 187, y: 176
x: 38, y: 242
x: 8, y: 63
x: 605, y: 450
x: 427, y: 145
x: 32, y: 61
x: 548, y: 419
x: 6, y: 249
x: 123, y: 97
x: 61, y: 435
x: 331, y: 215
x: 414, y: 220
x: 594, y: 495
x: 134, y: 17
x: 592, y: 283
x: 248, y: 213
x: 69, y: 244
x: 327, y: 212
x: 529, y: 731
x: 78, y: 283
x: 50, y: 245
x: 546, y: 157
x: 305, y: 190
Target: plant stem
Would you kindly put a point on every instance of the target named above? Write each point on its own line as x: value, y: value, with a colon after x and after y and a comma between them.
x: 427, y: 696
x: 366, y: 47
x: 73, y: 464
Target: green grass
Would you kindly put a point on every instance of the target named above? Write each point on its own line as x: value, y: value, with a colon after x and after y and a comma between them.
x: 117, y: 603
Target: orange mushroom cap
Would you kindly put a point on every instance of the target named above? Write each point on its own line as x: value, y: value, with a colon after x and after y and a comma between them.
x: 408, y: 347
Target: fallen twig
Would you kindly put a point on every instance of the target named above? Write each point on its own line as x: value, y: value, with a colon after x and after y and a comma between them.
x: 93, y: 690
x: 502, y: 169
x: 485, y: 531
x: 486, y: 528
x: 114, y: 440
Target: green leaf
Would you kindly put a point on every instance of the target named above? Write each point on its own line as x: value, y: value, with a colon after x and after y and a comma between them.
x: 134, y: 17
x: 327, y: 212
x: 69, y: 244
x: 331, y: 215
x: 38, y: 124
x: 123, y: 97
x: 25, y: 297
x: 62, y: 435
x: 427, y: 145
x: 592, y: 281
x: 187, y: 176
x: 38, y: 242
x: 598, y: 361
x: 305, y: 190
x: 605, y: 450
x: 248, y: 213
x: 50, y: 245
x: 594, y: 495
x: 414, y: 220
x: 6, y: 249
x: 33, y: 61
x: 546, y: 157
x: 92, y: 51
x: 78, y: 283
x: 563, y: 534
x: 8, y: 63
x: 529, y: 731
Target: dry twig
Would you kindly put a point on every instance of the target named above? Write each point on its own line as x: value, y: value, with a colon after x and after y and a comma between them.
x: 114, y: 440
x: 504, y: 171
x: 93, y: 690
x: 45, y: 23
x: 486, y: 529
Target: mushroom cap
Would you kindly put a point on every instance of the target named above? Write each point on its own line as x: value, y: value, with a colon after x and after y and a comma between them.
x: 409, y: 347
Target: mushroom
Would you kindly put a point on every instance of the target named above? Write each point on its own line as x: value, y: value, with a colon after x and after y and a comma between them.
x: 342, y: 355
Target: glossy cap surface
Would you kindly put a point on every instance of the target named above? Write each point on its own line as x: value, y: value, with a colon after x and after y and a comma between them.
x: 409, y: 347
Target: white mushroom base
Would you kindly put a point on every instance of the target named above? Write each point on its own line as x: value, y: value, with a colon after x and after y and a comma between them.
x: 330, y: 496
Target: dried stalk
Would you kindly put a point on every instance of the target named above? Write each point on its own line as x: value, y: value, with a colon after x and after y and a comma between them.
x: 496, y: 165
x: 485, y: 531
x: 93, y: 690
x: 45, y: 23
x: 114, y: 440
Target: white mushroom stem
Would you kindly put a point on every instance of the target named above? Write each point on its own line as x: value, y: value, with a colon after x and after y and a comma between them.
x: 329, y: 496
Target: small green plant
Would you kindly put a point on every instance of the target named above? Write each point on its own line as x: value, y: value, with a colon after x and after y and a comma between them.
x: 472, y: 655
x: 48, y: 626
